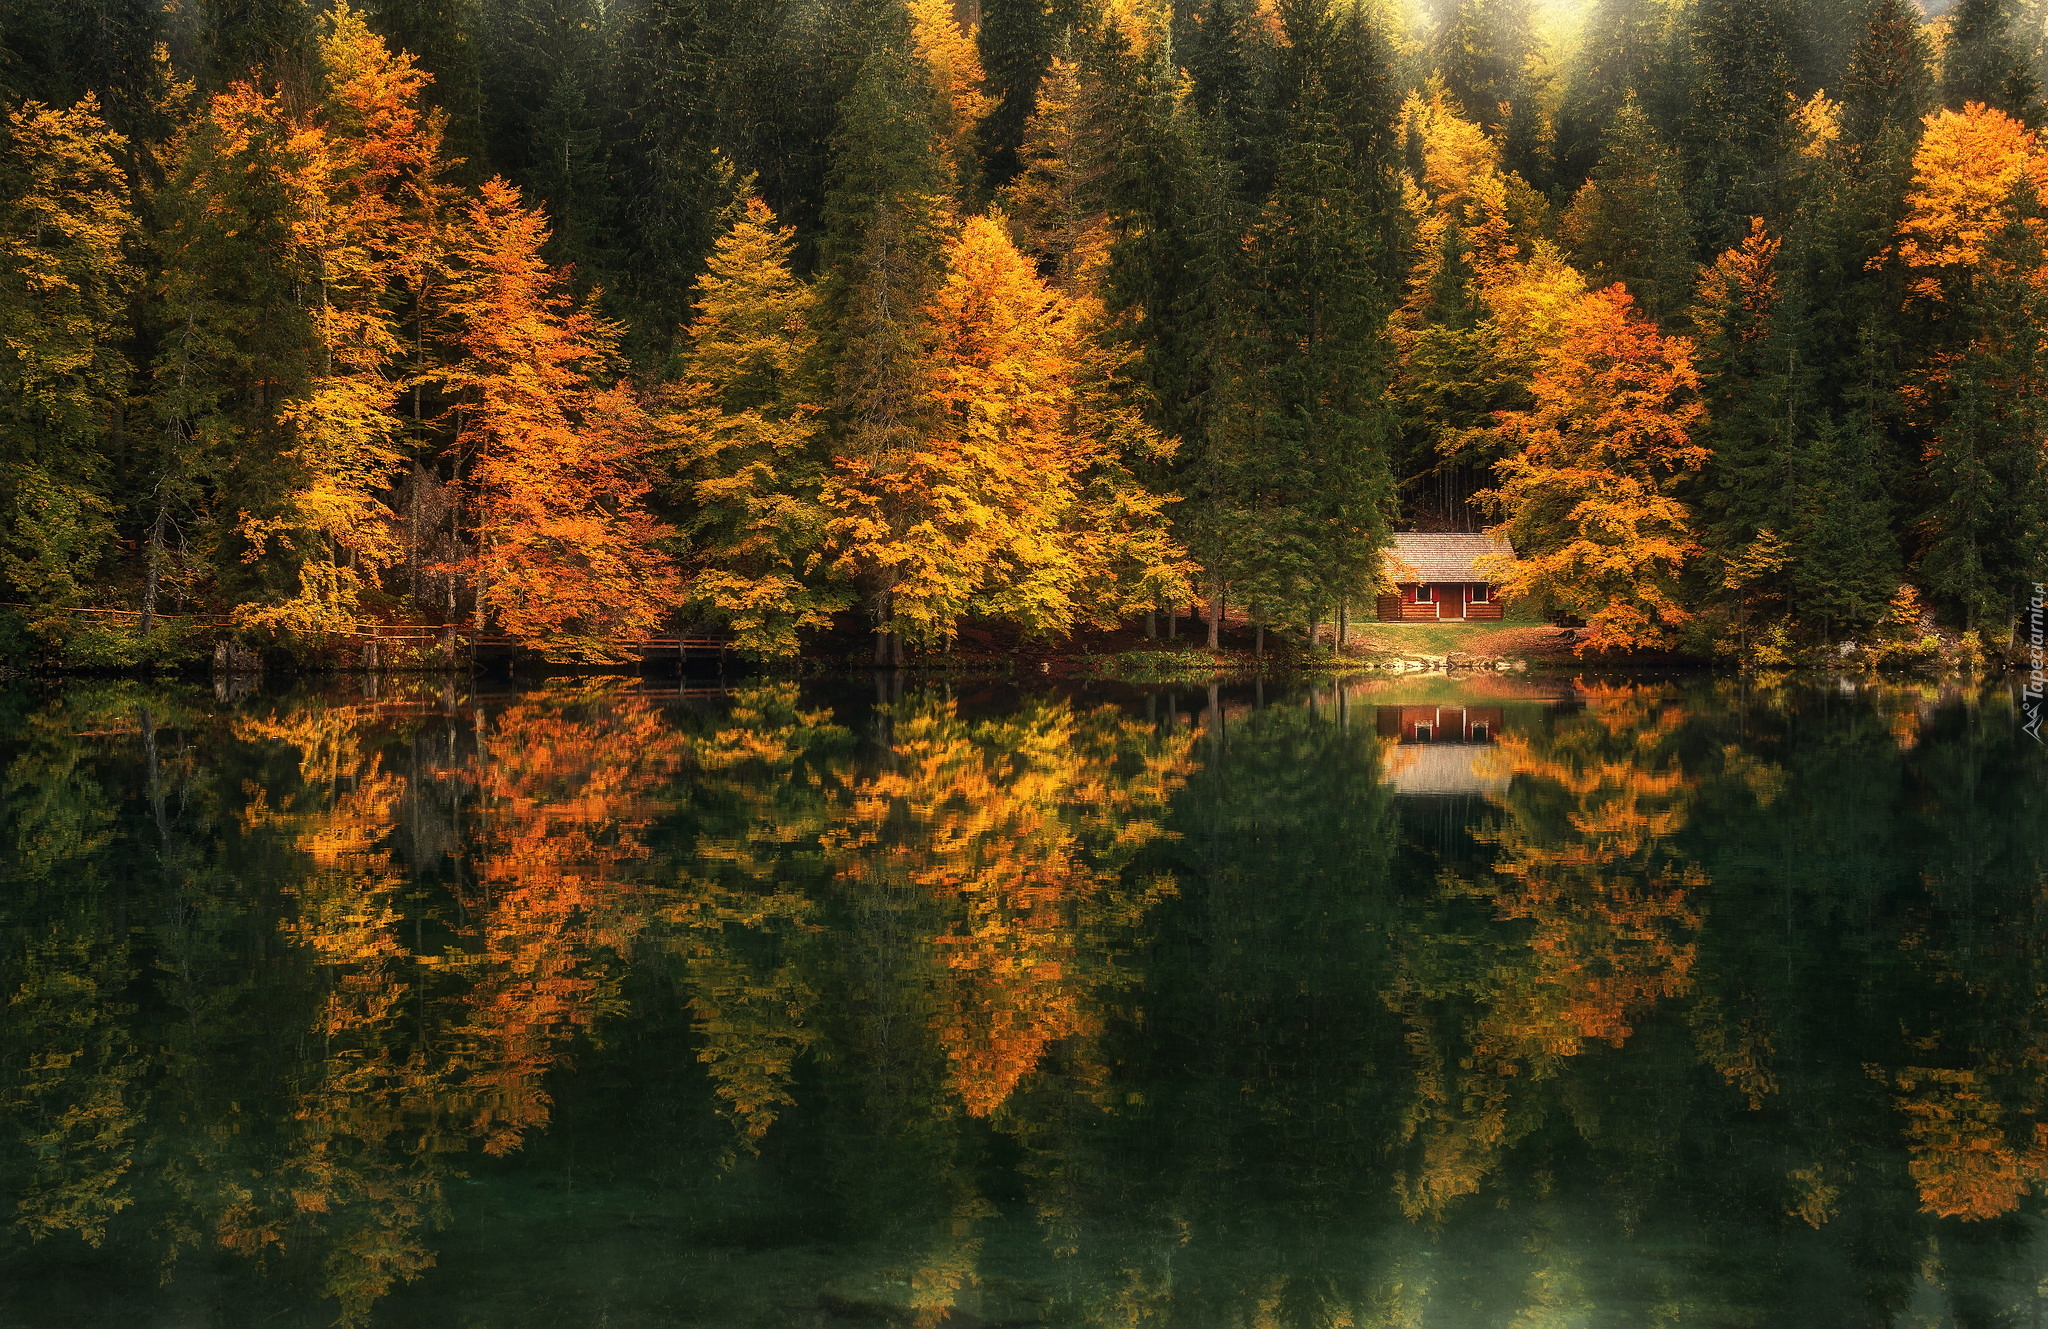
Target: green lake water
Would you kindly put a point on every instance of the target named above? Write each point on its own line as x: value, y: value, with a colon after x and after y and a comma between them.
x: 1511, y: 1002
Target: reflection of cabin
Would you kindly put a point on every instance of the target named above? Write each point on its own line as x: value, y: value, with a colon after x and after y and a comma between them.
x: 1435, y: 577
x: 1441, y: 750
x: 1439, y: 724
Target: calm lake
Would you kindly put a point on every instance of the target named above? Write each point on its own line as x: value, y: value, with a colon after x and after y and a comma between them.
x: 1511, y: 1002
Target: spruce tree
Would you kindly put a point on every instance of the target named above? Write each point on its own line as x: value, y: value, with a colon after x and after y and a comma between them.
x: 1735, y: 135
x: 1889, y: 83
x: 1620, y: 48
x: 1754, y: 390
x: 888, y: 214
x: 1845, y: 566
x: 1982, y: 63
x: 1482, y: 50
x: 1629, y: 222
x: 1299, y: 451
x: 444, y: 37
x: 1016, y: 43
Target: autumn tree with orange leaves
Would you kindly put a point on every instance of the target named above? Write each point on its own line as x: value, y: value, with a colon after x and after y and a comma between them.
x: 1972, y: 248
x: 1589, y: 495
x: 553, y: 450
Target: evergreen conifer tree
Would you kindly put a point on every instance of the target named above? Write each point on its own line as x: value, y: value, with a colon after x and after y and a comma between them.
x: 888, y: 216
x: 1754, y: 390
x: 1619, y: 50
x: 1889, y: 83
x: 1299, y: 451
x: 1629, y: 222
x: 1735, y: 133
x: 1981, y: 62
x: 1845, y: 566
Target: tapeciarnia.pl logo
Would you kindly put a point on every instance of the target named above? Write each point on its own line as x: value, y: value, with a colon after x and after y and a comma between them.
x: 2030, y: 696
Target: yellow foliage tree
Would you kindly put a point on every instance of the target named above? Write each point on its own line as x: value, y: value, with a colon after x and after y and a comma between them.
x: 566, y: 556
x: 1010, y: 504
x: 362, y: 176
x: 744, y: 419
x: 1588, y: 493
x: 65, y: 275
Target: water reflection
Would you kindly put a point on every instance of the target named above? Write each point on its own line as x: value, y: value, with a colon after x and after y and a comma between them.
x: 1377, y: 1003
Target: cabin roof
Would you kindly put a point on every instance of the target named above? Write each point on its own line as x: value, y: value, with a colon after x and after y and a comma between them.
x: 1425, y: 556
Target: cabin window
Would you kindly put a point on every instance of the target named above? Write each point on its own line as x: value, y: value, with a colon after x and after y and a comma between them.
x: 1480, y: 733
x: 1425, y: 595
x: 1424, y: 733
x: 1481, y: 593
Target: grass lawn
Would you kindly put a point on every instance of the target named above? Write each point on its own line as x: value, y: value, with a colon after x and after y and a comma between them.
x: 1436, y: 638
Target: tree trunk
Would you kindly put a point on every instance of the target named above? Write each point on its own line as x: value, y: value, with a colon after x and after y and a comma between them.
x: 1259, y: 640
x: 1343, y: 625
x: 151, y: 574
x: 1151, y: 624
x: 1215, y: 615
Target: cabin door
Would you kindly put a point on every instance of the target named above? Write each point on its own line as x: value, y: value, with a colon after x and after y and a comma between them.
x: 1450, y: 601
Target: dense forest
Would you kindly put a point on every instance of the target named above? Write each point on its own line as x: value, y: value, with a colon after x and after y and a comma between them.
x: 572, y: 320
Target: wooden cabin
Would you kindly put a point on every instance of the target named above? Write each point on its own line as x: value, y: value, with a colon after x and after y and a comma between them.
x: 1436, y: 578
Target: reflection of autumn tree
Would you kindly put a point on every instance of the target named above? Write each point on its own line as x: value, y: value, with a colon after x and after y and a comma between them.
x: 768, y: 777
x: 1970, y: 1083
x: 1607, y: 929
x: 70, y: 1071
x: 363, y: 1159
x: 567, y: 784
x: 421, y: 1051
x: 1017, y: 830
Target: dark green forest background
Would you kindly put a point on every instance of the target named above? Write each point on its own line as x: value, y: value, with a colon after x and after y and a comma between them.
x: 1309, y: 309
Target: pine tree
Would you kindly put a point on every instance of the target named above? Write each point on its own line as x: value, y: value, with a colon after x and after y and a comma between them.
x: 1736, y: 133
x: 1482, y: 49
x: 1753, y: 389
x: 887, y: 218
x: 1618, y: 54
x: 1889, y: 84
x: 556, y: 475
x: 750, y: 457
x: 1845, y: 565
x: 1823, y: 36
x: 1629, y: 222
x: 1300, y: 447
x: 1015, y: 39
x: 272, y: 40
x: 444, y: 38
x: 66, y: 274
x: 1981, y: 63
x: 1059, y: 197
